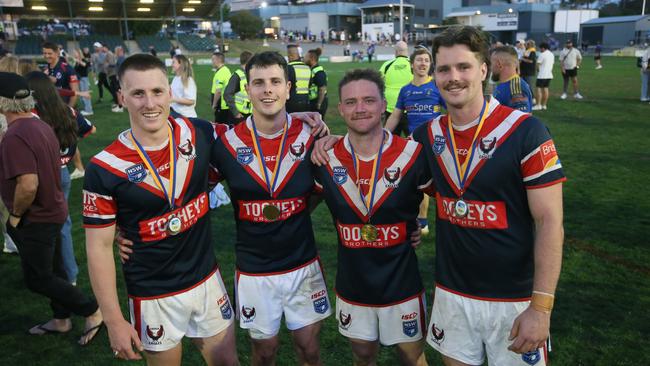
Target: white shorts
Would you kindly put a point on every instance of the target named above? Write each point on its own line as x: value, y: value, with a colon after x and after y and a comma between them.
x: 468, y: 329
x: 300, y: 295
x: 391, y: 324
x: 199, y: 312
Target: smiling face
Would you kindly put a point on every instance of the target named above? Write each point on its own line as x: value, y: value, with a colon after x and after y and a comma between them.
x: 51, y: 56
x: 421, y: 65
x: 361, y: 106
x: 147, y: 96
x: 268, y: 90
x: 459, y: 76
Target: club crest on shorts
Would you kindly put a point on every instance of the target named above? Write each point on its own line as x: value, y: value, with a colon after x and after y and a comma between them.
x: 487, y: 147
x: 344, y: 320
x: 136, y: 173
x: 155, y: 334
x: 321, y: 305
x: 410, y: 328
x: 439, y: 144
x: 298, y: 151
x: 244, y: 155
x: 248, y: 313
x: 437, y: 334
x: 392, y: 176
x: 531, y: 358
x: 187, y: 151
x: 340, y: 174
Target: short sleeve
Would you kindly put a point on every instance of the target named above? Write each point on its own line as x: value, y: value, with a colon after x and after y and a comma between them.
x: 400, y: 99
x: 99, y: 205
x: 540, y: 165
x: 190, y: 91
x: 84, y: 126
x: 18, y: 158
x: 320, y: 79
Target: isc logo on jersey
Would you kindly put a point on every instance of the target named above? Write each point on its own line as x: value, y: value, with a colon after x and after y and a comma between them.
x: 224, y: 305
x: 480, y: 215
x: 321, y: 305
x: 387, y: 235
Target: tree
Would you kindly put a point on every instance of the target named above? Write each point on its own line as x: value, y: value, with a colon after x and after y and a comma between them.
x: 245, y: 24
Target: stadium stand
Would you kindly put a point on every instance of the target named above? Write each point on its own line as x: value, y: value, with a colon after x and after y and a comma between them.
x: 195, y: 43
x: 162, y: 45
x: 109, y: 41
x: 29, y: 45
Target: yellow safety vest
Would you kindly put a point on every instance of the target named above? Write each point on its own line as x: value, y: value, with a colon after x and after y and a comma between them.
x: 242, y: 101
x: 313, y: 88
x: 303, y: 77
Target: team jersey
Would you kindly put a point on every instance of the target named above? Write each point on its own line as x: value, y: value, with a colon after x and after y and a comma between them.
x: 118, y: 190
x: 514, y: 93
x: 64, y: 74
x: 269, y: 246
x: 396, y: 73
x: 384, y: 271
x: 489, y: 252
x: 422, y: 103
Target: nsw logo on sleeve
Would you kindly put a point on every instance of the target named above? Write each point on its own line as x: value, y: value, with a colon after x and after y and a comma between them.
x: 439, y: 143
x: 244, y: 155
x: 136, y: 173
x: 340, y: 174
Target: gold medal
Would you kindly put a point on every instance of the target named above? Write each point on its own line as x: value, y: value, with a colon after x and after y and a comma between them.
x: 271, y: 212
x: 369, y: 232
x: 460, y: 208
x: 174, y: 225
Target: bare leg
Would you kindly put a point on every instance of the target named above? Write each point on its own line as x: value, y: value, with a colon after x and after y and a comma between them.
x: 264, y: 351
x: 165, y: 358
x: 364, y: 352
x: 544, y: 96
x: 76, y: 160
x: 307, y: 345
x: 412, y: 354
x: 448, y: 361
x: 219, y: 350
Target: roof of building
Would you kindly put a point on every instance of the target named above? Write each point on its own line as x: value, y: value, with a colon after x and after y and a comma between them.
x: 382, y: 3
x: 501, y: 8
x: 625, y: 19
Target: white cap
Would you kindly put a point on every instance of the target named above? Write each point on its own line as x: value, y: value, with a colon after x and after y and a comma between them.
x: 97, y: 44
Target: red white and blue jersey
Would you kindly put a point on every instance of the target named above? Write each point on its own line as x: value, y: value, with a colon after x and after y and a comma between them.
x: 264, y: 246
x: 118, y: 190
x: 489, y: 253
x: 384, y: 271
x: 64, y: 74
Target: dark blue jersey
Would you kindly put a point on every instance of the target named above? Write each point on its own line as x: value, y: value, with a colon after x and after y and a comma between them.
x: 382, y: 271
x: 422, y: 103
x: 118, y: 190
x: 514, y: 93
x: 489, y: 252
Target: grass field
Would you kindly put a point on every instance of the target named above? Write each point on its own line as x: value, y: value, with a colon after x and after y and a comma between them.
x: 602, y: 313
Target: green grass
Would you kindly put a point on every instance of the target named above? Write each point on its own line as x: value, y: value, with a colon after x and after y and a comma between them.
x: 601, y: 315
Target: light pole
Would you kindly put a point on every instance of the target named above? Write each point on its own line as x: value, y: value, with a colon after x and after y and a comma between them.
x: 221, y: 25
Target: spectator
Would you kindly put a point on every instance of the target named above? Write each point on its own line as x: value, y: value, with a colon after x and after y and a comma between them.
x: 570, y: 60
x: 544, y: 76
x: 183, y: 87
x: 371, y: 51
x: 60, y: 72
x: 81, y: 67
x: 528, y: 62
x: 645, y: 75
x: 597, y: 56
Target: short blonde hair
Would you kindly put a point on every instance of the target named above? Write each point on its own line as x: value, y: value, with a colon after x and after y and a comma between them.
x: 14, y: 105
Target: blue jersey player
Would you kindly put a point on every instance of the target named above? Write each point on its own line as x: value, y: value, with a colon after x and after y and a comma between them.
x: 512, y: 91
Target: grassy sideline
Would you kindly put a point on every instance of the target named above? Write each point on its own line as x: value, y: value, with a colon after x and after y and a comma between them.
x: 601, y: 315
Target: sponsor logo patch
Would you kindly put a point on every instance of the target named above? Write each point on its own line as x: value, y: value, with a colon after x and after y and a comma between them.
x: 244, y: 155
x: 486, y: 147
x: 155, y: 334
x: 297, y: 151
x: 439, y: 144
x: 224, y: 306
x: 344, y: 320
x: 136, y: 173
x: 410, y: 328
x: 531, y: 358
x: 340, y: 174
x: 387, y: 235
x: 480, y: 215
x: 253, y: 210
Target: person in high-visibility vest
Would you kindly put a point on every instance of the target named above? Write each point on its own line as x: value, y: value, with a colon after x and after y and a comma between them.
x: 300, y: 77
x: 219, y: 81
x: 396, y: 73
x: 235, y: 93
x: 318, y: 86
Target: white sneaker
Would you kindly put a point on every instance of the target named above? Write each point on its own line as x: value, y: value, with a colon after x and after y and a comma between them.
x: 10, y: 246
x: 544, y: 107
x: 77, y: 174
x: 537, y: 107
x: 85, y: 114
x: 117, y: 109
x: 599, y: 67
x: 563, y: 96
x: 577, y: 96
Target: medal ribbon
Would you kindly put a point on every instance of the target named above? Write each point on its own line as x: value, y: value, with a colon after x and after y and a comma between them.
x: 368, y: 200
x: 270, y: 183
x: 154, y: 173
x: 462, y: 170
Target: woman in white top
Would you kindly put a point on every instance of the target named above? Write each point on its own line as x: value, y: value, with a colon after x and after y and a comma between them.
x: 183, y: 87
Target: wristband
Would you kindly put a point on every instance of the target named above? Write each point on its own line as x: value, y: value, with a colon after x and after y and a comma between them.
x: 542, y: 302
